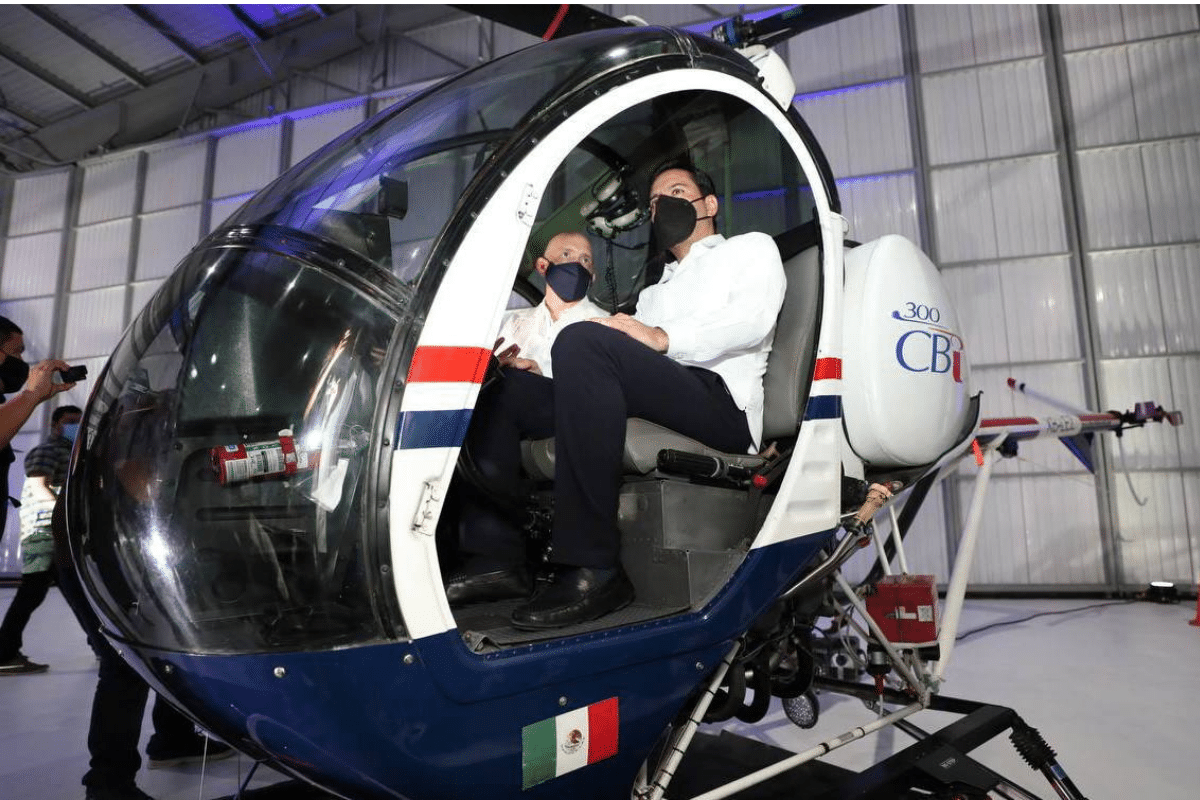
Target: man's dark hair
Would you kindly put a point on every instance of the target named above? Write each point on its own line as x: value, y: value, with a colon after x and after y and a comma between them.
x: 8, y: 328
x: 703, y: 180
x: 62, y: 411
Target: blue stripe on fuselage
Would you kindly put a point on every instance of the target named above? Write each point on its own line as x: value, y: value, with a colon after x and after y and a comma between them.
x: 828, y: 406
x: 422, y: 429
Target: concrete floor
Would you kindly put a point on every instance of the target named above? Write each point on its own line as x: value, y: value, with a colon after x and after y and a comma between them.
x: 1115, y: 690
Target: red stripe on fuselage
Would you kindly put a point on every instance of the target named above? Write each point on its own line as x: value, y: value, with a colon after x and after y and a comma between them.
x: 828, y: 369
x: 448, y: 365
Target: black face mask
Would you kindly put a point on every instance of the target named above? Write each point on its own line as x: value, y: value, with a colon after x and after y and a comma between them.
x: 569, y: 280
x: 13, y: 373
x: 674, y: 220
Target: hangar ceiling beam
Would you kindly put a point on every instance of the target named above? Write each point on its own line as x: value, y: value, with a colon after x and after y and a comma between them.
x: 163, y: 107
x: 45, y: 76
x: 167, y: 32
x: 249, y: 24
x: 86, y: 42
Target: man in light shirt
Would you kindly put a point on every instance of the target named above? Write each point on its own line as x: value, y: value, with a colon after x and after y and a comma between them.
x: 527, y: 334
x: 691, y: 359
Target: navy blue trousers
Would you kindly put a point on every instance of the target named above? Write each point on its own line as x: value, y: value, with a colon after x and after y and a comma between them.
x: 601, y: 378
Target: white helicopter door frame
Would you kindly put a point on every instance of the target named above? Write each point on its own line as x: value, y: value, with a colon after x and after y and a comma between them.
x: 472, y: 298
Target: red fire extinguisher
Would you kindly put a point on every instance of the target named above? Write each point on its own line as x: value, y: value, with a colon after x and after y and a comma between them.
x: 241, y: 462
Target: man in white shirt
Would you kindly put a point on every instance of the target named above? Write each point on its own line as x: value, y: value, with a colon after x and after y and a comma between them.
x: 527, y: 334
x: 691, y: 359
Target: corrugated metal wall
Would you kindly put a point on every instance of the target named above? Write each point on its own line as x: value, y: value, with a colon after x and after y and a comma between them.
x: 1047, y: 157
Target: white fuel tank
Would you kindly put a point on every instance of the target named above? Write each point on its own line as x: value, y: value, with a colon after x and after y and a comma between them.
x: 905, y: 379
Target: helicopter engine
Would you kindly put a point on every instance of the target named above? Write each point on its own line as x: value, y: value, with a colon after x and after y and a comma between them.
x: 906, y: 380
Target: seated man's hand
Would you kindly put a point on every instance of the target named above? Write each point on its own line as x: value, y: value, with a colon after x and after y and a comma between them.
x: 527, y: 364
x: 654, y: 338
x: 507, y: 355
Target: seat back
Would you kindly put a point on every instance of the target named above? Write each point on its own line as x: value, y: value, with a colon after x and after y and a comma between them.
x: 793, y: 352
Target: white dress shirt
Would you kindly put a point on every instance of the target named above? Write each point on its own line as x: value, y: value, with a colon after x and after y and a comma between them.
x: 718, y: 306
x: 534, y: 330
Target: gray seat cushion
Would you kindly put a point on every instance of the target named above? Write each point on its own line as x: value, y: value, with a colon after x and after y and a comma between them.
x: 785, y: 384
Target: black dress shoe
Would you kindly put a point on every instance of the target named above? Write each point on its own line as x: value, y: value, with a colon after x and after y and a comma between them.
x: 577, y: 594
x: 485, y: 587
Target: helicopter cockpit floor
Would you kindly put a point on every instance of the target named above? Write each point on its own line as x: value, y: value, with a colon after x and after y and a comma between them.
x: 486, y: 625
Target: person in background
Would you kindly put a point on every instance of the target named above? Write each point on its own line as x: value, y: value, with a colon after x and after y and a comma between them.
x: 13, y: 372
x: 45, y: 471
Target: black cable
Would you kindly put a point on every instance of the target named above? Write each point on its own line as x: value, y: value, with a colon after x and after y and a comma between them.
x: 962, y: 636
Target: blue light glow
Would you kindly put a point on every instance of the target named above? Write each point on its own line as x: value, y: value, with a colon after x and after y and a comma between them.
x: 862, y: 87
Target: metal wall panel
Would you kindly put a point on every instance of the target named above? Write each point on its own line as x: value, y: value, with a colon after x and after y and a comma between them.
x: 1001, y: 551
x: 101, y: 255
x: 1154, y: 539
x: 164, y: 239
x: 859, y: 49
x: 1039, y: 304
x: 1102, y: 99
x: 1166, y: 74
x: 1185, y: 381
x: 1128, y: 381
x: 1173, y: 189
x: 1026, y: 538
x: 1149, y: 20
x: 1062, y: 529
x: 1027, y: 198
x: 975, y: 292
x: 876, y: 206
x: 36, y: 318
x: 175, y: 175
x: 1086, y: 26
x: 992, y: 112
x: 39, y: 202
x: 1002, y: 32
x: 953, y: 108
x: 944, y: 39
x: 310, y: 133
x: 246, y: 160
x: 95, y: 320
x: 1016, y: 108
x: 221, y: 210
x: 1114, y: 198
x: 1128, y: 301
x: 140, y: 294
x: 877, y: 129
x: 863, y: 130
x: 31, y: 265
x: 1179, y: 288
x: 964, y: 216
x: 109, y: 190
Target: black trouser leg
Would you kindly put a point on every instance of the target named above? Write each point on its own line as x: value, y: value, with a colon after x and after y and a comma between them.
x: 172, y: 730
x: 602, y: 377
x: 116, y: 724
x: 29, y: 596
x: 518, y: 406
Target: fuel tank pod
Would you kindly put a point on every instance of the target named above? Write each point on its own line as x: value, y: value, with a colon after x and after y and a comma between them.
x: 905, y: 379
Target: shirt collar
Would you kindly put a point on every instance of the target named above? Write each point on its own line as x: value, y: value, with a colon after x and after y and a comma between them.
x: 698, y: 249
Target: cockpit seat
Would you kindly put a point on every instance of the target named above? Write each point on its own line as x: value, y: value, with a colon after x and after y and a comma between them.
x: 785, y: 384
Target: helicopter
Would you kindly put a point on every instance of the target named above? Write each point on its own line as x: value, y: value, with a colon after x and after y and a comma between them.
x: 254, y: 502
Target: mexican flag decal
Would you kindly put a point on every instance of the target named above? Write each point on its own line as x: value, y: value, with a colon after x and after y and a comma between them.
x: 569, y: 741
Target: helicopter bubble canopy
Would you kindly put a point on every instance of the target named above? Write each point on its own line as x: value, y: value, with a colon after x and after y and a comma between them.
x: 227, y: 495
